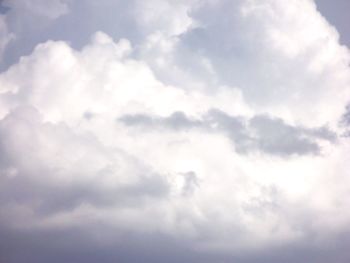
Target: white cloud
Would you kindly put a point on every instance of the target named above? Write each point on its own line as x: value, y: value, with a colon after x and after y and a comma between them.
x: 275, y: 78
x: 280, y: 55
x: 168, y: 17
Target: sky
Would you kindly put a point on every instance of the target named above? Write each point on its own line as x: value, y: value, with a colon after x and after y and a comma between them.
x: 336, y: 12
x: 200, y: 131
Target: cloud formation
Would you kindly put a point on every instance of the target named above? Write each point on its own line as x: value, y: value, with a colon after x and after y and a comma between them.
x: 262, y: 132
x: 162, y: 131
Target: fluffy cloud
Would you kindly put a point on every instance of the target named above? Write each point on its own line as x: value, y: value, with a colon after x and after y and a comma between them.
x: 268, y: 41
x: 197, y: 131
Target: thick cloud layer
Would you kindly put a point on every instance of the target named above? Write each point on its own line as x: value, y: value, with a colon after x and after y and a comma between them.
x: 163, y: 131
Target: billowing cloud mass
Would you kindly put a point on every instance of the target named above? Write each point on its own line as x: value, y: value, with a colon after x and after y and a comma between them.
x: 173, y: 131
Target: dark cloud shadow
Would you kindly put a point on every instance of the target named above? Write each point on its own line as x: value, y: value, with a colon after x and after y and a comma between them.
x: 262, y: 132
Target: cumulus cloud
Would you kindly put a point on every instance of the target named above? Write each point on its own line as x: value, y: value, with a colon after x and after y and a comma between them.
x: 162, y: 131
x: 56, y: 176
x: 268, y: 41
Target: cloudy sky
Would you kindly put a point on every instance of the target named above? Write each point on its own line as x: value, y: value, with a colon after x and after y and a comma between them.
x: 200, y: 131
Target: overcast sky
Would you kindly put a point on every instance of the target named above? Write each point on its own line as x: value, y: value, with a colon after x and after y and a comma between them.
x: 200, y: 131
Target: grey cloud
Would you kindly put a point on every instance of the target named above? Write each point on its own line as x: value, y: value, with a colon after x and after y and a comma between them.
x: 46, y: 198
x: 276, y: 137
x: 345, y: 121
x: 3, y: 9
x: 262, y: 132
x: 191, y: 183
x: 346, y: 116
x: 176, y: 121
x: 88, y: 115
x: 273, y: 135
x: 236, y: 128
x: 322, y: 133
x: 76, y: 245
